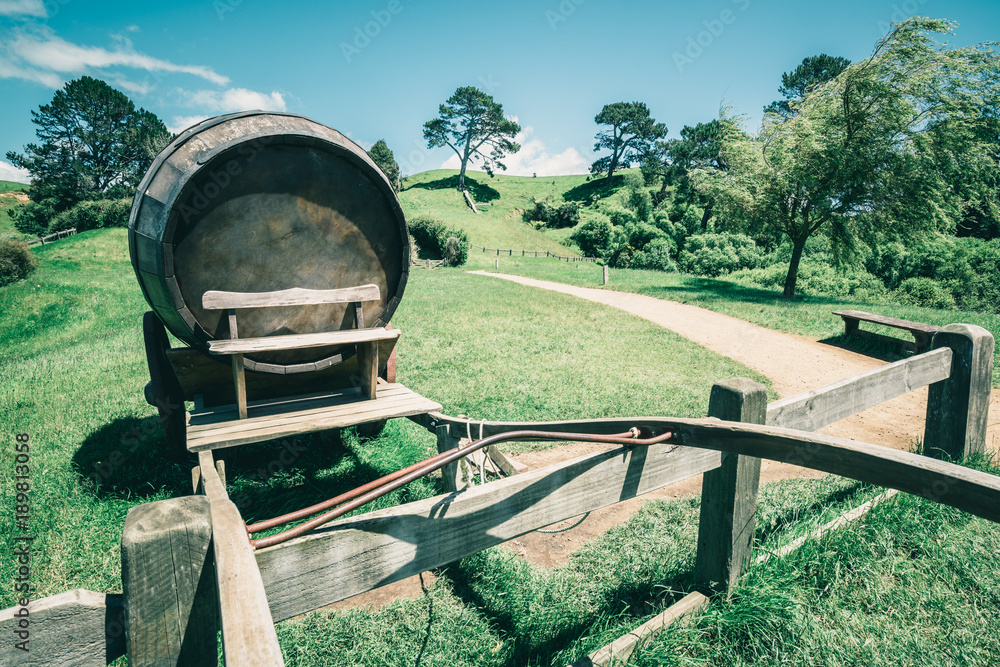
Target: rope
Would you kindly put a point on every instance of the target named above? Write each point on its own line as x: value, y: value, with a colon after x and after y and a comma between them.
x: 563, y: 530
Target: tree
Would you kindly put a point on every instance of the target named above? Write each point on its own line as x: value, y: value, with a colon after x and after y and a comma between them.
x: 472, y: 123
x: 813, y: 71
x: 871, y: 150
x: 633, y: 133
x: 383, y: 157
x: 93, y: 143
x: 674, y: 159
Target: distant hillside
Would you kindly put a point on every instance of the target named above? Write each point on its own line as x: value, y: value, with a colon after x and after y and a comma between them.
x: 11, y: 195
x: 501, y: 200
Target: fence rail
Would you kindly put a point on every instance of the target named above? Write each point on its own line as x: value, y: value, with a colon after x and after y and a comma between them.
x: 194, y: 571
x: 531, y: 253
x: 53, y: 237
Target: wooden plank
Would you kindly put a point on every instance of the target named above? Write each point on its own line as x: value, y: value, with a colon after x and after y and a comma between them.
x: 335, y: 418
x: 248, y: 635
x: 729, y: 493
x: 357, y: 554
x: 239, y: 374
x: 455, y: 474
x: 368, y: 369
x: 282, y: 405
x: 297, y: 296
x: 300, y: 341
x: 887, y: 321
x: 969, y: 490
x: 78, y: 628
x: 168, y: 583
x: 839, y: 522
x: 957, y: 408
x: 619, y: 651
x: 812, y: 410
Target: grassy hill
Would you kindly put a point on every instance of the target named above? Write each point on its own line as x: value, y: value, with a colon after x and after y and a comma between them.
x: 501, y: 200
x: 11, y: 195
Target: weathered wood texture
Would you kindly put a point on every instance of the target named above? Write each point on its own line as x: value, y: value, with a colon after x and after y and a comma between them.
x: 948, y: 483
x: 957, y: 408
x: 213, y: 428
x: 606, y: 274
x: 921, y: 332
x: 248, y: 635
x: 455, y: 474
x: 619, y: 651
x: 357, y: 554
x: 169, y: 583
x: 729, y: 493
x: 296, y: 296
x: 815, y: 409
x: 300, y: 341
x: 368, y: 367
x: 77, y: 629
x: 261, y: 202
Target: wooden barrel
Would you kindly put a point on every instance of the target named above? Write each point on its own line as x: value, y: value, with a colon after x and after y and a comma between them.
x: 256, y: 202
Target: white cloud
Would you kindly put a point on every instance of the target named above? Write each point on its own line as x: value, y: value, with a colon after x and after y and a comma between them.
x: 235, y: 99
x: 181, y: 123
x: 46, y: 51
x: 534, y: 159
x: 9, y: 172
x: 23, y: 8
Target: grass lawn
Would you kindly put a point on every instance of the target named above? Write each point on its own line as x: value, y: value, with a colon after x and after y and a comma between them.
x: 806, y: 316
x: 10, y: 198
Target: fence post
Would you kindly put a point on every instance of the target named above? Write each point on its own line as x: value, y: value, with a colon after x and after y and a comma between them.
x: 729, y: 493
x: 168, y: 579
x: 496, y: 264
x: 957, y: 408
x: 451, y: 473
x: 605, y: 274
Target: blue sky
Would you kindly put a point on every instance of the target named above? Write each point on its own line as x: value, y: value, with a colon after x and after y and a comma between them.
x: 378, y: 69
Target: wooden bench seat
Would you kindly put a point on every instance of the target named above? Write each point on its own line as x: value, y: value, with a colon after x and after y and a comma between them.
x: 214, y: 428
x: 922, y: 333
x: 300, y: 341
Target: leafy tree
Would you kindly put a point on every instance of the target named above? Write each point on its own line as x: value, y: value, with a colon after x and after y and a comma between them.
x: 93, y: 143
x: 871, y: 149
x: 674, y: 159
x: 472, y: 123
x: 813, y: 71
x: 383, y: 157
x: 633, y: 133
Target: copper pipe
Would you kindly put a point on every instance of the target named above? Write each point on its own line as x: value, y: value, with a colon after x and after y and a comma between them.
x: 441, y: 460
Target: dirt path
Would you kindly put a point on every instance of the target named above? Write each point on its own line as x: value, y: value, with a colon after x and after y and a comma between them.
x: 794, y: 364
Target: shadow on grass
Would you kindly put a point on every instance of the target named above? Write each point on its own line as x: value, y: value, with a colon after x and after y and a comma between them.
x: 129, y: 459
x: 480, y: 192
x: 596, y: 186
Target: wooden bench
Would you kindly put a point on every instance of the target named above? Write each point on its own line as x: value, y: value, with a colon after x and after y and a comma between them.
x: 242, y: 407
x: 922, y: 333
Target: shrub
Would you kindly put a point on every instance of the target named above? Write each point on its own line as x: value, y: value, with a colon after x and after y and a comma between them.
x: 595, y: 237
x: 719, y: 254
x: 658, y: 255
x: 451, y: 245
x: 555, y: 217
x: 33, y: 218
x: 94, y: 214
x: 16, y: 261
x: 640, y: 202
x: 924, y: 292
x: 816, y: 276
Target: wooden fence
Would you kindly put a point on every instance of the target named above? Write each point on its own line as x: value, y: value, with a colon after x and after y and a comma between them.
x: 531, y: 253
x: 53, y: 237
x: 188, y: 569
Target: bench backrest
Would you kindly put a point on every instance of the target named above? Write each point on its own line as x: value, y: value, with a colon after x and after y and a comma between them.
x: 297, y: 296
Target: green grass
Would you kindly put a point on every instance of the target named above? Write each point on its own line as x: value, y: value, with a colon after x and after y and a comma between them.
x: 72, y: 371
x: 809, y: 316
x: 7, y: 204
